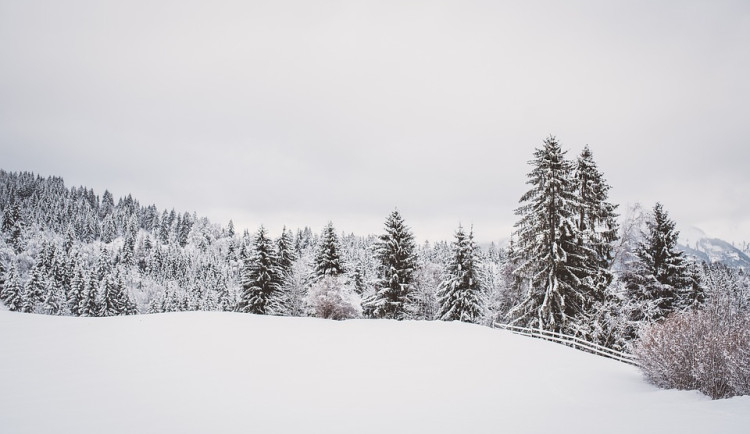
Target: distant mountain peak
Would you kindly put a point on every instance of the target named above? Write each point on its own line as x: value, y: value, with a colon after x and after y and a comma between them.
x: 696, y: 243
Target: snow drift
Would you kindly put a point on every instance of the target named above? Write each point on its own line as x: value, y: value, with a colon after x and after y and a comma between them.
x: 224, y: 373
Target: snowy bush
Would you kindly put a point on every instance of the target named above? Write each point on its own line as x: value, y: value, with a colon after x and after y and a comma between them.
x: 706, y: 350
x: 333, y: 298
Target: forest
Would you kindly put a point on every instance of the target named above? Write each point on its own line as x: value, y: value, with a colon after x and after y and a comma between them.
x: 574, y: 265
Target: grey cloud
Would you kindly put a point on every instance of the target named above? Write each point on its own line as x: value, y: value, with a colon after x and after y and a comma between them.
x: 297, y: 111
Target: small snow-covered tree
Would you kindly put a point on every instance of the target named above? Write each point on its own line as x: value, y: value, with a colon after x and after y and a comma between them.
x: 12, y: 292
x: 295, y: 286
x: 333, y: 298
x: 77, y: 287
x: 261, y: 278
x: 286, y: 253
x: 89, y: 305
x: 395, y: 253
x: 328, y: 261
x: 460, y: 294
x: 13, y: 226
x: 35, y: 290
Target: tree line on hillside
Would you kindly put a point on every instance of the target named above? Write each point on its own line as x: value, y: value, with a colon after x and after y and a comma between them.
x: 569, y: 267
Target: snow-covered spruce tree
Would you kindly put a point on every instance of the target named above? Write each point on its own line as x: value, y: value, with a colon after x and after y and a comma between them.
x: 286, y: 252
x: 89, y: 305
x: 12, y: 292
x: 35, y: 290
x: 12, y: 226
x: 460, y: 294
x: 109, y: 230
x: 130, y: 237
x: 597, y: 220
x: 114, y: 297
x: 395, y: 253
x: 658, y: 280
x: 598, y: 232
x: 77, y: 287
x: 550, y: 255
x: 3, y: 273
x: 261, y: 278
x: 328, y: 261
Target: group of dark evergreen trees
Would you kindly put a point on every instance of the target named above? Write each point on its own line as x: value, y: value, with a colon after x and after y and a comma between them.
x: 568, y: 267
x: 564, y: 252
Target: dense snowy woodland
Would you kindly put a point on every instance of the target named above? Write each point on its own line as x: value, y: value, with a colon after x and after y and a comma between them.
x: 576, y: 264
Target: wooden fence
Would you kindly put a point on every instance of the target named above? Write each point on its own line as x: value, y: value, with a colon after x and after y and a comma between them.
x: 570, y: 341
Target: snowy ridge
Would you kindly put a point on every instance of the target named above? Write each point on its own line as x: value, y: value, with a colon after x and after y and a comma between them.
x: 199, y: 372
x: 696, y: 243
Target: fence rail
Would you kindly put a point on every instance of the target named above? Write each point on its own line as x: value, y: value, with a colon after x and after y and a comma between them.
x: 570, y: 341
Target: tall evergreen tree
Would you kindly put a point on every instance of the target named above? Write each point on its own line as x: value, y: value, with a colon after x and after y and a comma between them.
x: 109, y: 230
x: 659, y: 279
x: 77, y: 288
x: 548, y: 249
x: 114, y: 297
x: 3, y: 274
x: 89, y: 305
x: 328, y: 260
x: 460, y: 293
x: 12, y: 293
x: 286, y: 253
x: 395, y: 253
x: 13, y: 226
x: 261, y: 278
x: 35, y: 291
x: 130, y: 238
x: 597, y: 219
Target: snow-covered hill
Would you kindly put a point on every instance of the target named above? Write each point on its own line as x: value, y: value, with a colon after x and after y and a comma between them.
x: 225, y: 372
x: 694, y: 242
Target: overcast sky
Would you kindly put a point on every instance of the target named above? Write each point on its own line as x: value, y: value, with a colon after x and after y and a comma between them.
x: 300, y: 112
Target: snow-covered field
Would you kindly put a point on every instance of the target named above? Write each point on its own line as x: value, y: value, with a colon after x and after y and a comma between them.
x: 224, y: 372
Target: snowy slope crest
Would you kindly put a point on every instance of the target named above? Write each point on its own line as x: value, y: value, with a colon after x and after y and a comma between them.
x: 201, y: 372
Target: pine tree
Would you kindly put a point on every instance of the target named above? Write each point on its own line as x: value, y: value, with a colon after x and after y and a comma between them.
x: 70, y: 238
x: 89, y: 305
x: 13, y: 226
x: 12, y: 293
x: 396, y: 258
x: 597, y: 220
x: 109, y: 230
x: 659, y: 278
x: 114, y: 298
x: 3, y: 273
x: 328, y: 260
x: 549, y: 251
x: 77, y: 288
x: 130, y: 237
x: 286, y: 253
x: 261, y: 278
x: 460, y: 292
x: 35, y: 289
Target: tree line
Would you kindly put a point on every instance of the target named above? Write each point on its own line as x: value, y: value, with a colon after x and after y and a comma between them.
x: 569, y: 267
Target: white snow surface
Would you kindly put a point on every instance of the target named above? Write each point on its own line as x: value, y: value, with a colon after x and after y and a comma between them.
x: 204, y: 372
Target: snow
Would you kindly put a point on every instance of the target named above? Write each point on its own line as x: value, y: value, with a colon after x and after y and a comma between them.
x: 204, y: 372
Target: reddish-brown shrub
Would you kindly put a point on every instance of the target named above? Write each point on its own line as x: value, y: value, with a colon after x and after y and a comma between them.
x: 706, y: 350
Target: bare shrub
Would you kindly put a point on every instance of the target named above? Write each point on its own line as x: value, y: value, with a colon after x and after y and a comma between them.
x: 333, y: 298
x: 706, y: 350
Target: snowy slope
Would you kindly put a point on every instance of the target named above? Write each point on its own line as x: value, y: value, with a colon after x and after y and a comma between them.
x: 223, y: 372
